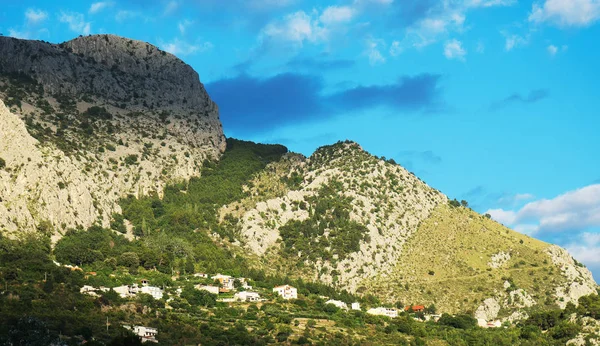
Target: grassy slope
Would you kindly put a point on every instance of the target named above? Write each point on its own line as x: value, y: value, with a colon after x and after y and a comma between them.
x: 456, y: 244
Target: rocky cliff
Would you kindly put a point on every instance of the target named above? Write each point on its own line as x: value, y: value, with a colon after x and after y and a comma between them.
x: 92, y: 120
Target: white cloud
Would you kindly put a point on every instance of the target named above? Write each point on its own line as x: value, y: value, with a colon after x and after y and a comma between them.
x: 180, y: 47
x: 373, y: 52
x: 337, y: 14
x: 124, y: 15
x: 453, y: 49
x: 183, y: 25
x: 574, y: 210
x: 552, y: 49
x: 505, y: 217
x: 490, y: 3
x: 566, y: 13
x: 76, y: 22
x: 514, y: 41
x: 19, y: 34
x: 586, y: 249
x: 396, y: 49
x: 297, y: 28
x: 376, y: 2
x: 99, y: 6
x: 171, y: 7
x: 480, y: 47
x: 35, y: 16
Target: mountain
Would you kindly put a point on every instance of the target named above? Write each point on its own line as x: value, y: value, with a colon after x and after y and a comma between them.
x: 367, y: 225
x: 113, y: 149
x: 92, y: 120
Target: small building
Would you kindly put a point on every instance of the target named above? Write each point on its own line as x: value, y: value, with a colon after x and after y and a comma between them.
x: 145, y: 333
x: 154, y: 291
x: 355, y: 306
x: 338, y: 303
x: 226, y: 281
x: 286, y: 292
x: 201, y: 275
x: 145, y: 282
x: 415, y: 308
x: 210, y: 289
x: 381, y: 311
x: 89, y: 290
x: 125, y: 291
x: 247, y: 296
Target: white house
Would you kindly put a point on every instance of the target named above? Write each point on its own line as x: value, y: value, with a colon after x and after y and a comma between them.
x: 145, y: 333
x: 381, y: 311
x: 124, y: 291
x: 89, y: 290
x: 246, y: 296
x: 355, y: 306
x: 340, y: 304
x: 286, y: 292
x: 129, y: 291
x: 201, y: 275
x: 225, y: 280
x: 211, y: 289
x: 154, y: 291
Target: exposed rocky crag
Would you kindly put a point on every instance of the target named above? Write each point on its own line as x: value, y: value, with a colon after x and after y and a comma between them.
x: 92, y: 120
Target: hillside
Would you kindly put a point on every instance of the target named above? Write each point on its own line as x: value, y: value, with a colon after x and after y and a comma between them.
x: 409, y: 245
x: 91, y: 121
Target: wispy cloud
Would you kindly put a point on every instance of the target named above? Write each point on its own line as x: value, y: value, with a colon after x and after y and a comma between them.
x: 566, y: 13
x: 171, y: 7
x: 35, y: 16
x: 76, y: 22
x: 337, y: 14
x: 513, y: 41
x: 183, y: 25
x: 533, y: 97
x: 453, y: 49
x: 373, y: 51
x: 97, y: 7
x: 181, y: 47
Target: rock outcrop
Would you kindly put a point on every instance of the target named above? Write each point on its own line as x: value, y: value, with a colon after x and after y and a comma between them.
x: 92, y: 120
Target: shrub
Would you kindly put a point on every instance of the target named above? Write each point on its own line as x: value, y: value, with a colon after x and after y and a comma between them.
x: 2, y: 163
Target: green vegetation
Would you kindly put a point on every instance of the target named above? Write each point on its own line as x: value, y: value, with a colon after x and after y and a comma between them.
x: 2, y: 163
x: 328, y: 231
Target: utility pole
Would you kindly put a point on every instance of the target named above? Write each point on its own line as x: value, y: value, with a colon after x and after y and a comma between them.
x: 107, y: 323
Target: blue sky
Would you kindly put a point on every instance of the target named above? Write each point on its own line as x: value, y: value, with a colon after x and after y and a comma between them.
x: 492, y: 101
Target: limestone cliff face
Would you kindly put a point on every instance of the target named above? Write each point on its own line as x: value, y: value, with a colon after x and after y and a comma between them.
x: 92, y: 120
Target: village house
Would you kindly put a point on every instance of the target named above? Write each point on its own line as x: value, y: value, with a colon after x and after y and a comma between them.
x: 201, y: 275
x: 210, y: 289
x: 246, y: 296
x: 381, y: 311
x: 340, y: 304
x: 355, y: 306
x: 286, y: 292
x: 145, y: 333
x: 226, y: 281
x: 89, y: 290
x: 154, y: 291
x: 129, y: 291
x: 415, y: 308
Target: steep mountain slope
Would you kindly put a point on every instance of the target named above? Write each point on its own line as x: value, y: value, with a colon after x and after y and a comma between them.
x: 103, y: 117
x: 367, y: 225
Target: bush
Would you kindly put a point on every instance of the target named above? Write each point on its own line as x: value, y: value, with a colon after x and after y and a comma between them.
x: 2, y: 163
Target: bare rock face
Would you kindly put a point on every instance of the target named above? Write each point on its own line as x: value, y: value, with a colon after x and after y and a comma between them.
x: 579, y: 280
x: 92, y: 120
